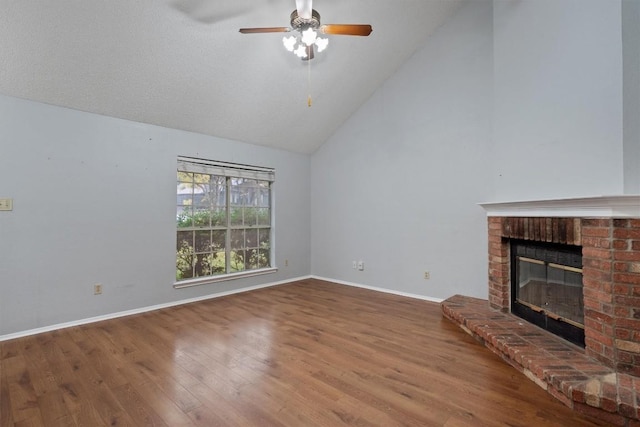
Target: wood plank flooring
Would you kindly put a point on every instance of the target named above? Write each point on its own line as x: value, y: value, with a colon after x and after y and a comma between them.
x: 309, y: 353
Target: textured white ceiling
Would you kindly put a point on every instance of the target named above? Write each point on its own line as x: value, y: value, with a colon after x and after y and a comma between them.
x: 183, y: 64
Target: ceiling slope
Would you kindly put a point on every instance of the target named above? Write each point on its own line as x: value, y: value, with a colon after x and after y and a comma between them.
x: 183, y: 64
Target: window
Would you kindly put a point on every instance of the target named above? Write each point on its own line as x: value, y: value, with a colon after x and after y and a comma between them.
x: 223, y: 220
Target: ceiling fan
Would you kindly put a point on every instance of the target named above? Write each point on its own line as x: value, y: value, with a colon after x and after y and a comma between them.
x: 306, y: 22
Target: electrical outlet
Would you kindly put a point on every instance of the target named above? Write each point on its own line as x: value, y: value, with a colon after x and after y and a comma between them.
x: 427, y: 275
x: 97, y: 289
x: 354, y: 264
x: 286, y: 263
x: 360, y: 265
x: 6, y: 204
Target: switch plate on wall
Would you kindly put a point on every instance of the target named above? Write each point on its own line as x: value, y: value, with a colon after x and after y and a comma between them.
x: 6, y: 204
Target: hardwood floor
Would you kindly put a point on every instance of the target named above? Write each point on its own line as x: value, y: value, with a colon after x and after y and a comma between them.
x: 310, y: 353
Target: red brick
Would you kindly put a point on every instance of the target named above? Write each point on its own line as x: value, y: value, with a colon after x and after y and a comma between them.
x: 625, y: 233
x: 633, y: 279
x: 621, y: 222
x: 598, y: 316
x: 592, y: 303
x: 635, y: 245
x: 623, y: 334
x: 622, y: 312
x: 596, y: 263
x: 606, y: 308
x: 596, y: 253
x: 596, y: 325
x: 495, y: 238
x: 620, y: 244
x: 594, y: 232
x: 620, y: 289
x: 596, y: 242
x: 598, y: 295
x: 627, y: 255
x: 598, y: 337
x: 598, y: 275
x: 620, y: 266
x: 628, y: 323
x: 595, y: 222
x: 627, y: 301
x: 634, y: 223
x: 613, y: 419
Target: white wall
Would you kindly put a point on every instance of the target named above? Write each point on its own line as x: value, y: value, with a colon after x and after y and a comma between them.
x: 557, y: 122
x: 94, y: 202
x: 397, y: 185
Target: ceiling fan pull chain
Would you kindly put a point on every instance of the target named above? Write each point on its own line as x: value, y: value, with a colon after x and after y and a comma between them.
x: 309, y: 83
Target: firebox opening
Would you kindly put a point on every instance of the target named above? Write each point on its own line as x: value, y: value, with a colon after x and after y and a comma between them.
x: 546, y: 287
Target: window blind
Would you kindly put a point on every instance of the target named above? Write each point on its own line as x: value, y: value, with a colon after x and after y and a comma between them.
x: 235, y: 170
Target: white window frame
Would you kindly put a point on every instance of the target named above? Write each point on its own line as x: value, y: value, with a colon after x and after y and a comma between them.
x: 230, y: 170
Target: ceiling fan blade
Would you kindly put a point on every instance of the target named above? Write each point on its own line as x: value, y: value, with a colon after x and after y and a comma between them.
x: 265, y: 30
x: 346, y: 29
x: 304, y: 8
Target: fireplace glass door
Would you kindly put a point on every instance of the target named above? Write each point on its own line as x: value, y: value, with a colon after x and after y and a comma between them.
x: 547, y: 288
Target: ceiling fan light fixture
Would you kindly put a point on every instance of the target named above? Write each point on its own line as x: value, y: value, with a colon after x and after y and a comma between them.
x: 301, y: 51
x: 289, y: 43
x: 309, y: 36
x: 321, y: 43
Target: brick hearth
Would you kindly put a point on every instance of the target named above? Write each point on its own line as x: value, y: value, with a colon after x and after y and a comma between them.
x: 601, y: 380
x: 561, y: 368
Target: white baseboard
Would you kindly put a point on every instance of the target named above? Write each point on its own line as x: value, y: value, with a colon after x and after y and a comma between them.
x: 202, y: 298
x: 373, y: 288
x: 141, y: 310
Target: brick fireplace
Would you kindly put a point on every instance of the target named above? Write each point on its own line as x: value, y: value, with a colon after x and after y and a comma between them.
x: 611, y: 277
x: 603, y: 379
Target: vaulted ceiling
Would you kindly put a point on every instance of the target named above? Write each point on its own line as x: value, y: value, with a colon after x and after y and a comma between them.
x: 183, y: 64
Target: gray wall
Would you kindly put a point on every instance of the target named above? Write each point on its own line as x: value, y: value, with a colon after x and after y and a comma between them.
x: 94, y: 202
x: 557, y: 124
x: 398, y: 185
x: 631, y: 102
x: 510, y: 100
x: 502, y: 87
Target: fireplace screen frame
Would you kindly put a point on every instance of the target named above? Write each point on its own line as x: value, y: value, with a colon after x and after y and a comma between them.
x: 555, y: 256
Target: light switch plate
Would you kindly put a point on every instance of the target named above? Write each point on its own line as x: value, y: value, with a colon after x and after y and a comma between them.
x: 6, y: 204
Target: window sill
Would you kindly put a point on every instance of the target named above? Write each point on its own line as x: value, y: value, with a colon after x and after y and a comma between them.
x: 222, y: 278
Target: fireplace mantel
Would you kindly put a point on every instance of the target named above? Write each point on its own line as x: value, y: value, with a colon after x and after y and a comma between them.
x: 621, y: 206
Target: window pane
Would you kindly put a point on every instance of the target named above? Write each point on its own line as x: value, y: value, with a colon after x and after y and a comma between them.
x: 184, y: 238
x: 263, y: 238
x: 237, y: 260
x: 251, y: 238
x: 203, y: 241
x: 264, y: 197
x: 219, y: 263
x: 200, y: 266
x: 252, y: 259
x: 237, y: 239
x: 184, y: 258
x: 218, y: 217
x: 264, y: 258
x: 250, y: 216
x: 201, y: 218
x: 184, y: 216
x: 236, y: 216
x: 218, y: 238
x: 264, y: 217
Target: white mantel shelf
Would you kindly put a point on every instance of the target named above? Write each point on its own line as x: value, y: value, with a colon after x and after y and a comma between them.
x: 622, y: 206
